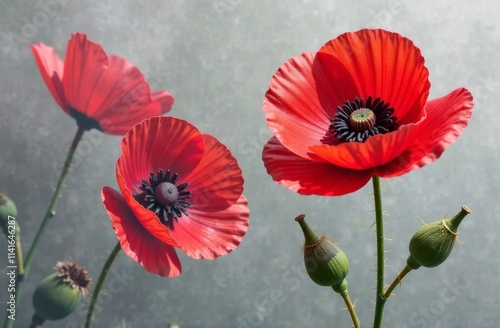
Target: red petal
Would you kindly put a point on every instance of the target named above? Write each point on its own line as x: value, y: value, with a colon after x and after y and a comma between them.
x: 155, y: 256
x: 159, y: 143
x: 84, y: 63
x: 446, y: 118
x: 51, y: 68
x: 375, y: 151
x: 165, y: 99
x: 383, y: 64
x: 301, y: 99
x: 308, y: 177
x: 208, y: 235
x: 216, y: 183
x: 121, y: 96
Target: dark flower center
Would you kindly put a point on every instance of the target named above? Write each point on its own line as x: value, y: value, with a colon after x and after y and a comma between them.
x: 357, y: 121
x: 164, y: 198
x: 166, y: 193
x: 84, y: 122
x: 362, y: 119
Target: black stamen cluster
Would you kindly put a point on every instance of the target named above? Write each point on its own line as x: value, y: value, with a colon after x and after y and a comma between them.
x: 165, y: 212
x: 384, y: 122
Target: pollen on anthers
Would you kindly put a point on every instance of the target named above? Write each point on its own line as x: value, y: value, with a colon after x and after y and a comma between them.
x: 164, y: 198
x: 357, y: 121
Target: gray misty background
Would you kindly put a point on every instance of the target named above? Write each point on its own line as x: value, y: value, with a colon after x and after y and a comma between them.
x: 217, y: 58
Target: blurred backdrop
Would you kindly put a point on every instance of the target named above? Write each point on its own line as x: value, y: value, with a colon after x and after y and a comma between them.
x: 217, y: 58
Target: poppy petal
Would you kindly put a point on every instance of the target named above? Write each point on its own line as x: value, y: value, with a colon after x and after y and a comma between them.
x: 375, y: 151
x: 51, y: 68
x: 302, y: 98
x: 165, y: 99
x: 309, y: 177
x: 208, y: 235
x: 84, y: 63
x: 121, y: 95
x: 155, y: 256
x: 446, y: 118
x: 383, y: 64
x: 165, y: 143
x: 216, y: 183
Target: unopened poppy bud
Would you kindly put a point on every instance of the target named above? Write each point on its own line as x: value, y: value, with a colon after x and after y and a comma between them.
x: 326, y: 264
x: 433, y: 242
x: 173, y: 325
x: 8, y: 212
x: 59, y: 293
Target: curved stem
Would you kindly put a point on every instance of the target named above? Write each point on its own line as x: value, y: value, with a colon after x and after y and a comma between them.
x: 98, y: 286
x: 350, y: 307
x: 379, y: 225
x: 396, y: 281
x: 21, y: 277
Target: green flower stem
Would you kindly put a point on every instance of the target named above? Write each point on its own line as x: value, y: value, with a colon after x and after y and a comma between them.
x: 51, y: 211
x: 19, y: 250
x: 396, y: 281
x: 350, y: 307
x: 98, y: 286
x: 23, y: 276
x: 19, y: 257
x: 379, y: 225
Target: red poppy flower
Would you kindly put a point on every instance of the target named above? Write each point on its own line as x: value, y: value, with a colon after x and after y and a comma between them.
x: 179, y: 189
x: 356, y: 108
x: 99, y: 91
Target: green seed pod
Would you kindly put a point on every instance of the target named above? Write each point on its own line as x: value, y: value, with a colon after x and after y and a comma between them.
x: 326, y: 264
x: 173, y: 325
x: 59, y: 293
x: 433, y: 242
x: 7, y: 208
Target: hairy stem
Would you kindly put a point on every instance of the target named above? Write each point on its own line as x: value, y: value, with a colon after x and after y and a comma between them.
x: 98, y: 286
x: 396, y: 281
x: 379, y: 225
x: 350, y: 307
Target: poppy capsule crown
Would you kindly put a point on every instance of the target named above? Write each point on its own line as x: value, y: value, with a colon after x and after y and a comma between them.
x: 59, y: 293
x: 432, y: 244
x: 326, y: 264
